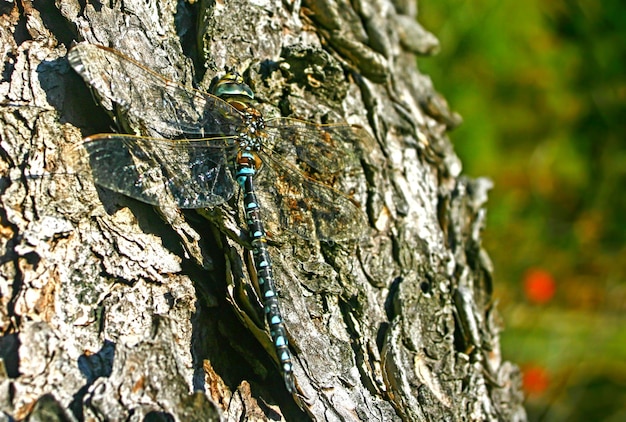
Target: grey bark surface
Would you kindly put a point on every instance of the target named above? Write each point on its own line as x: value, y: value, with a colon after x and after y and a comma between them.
x: 113, y: 310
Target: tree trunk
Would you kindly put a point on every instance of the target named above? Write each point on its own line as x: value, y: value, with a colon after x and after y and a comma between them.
x: 113, y: 310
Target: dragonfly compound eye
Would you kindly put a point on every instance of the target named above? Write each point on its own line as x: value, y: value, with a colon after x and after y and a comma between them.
x: 232, y: 85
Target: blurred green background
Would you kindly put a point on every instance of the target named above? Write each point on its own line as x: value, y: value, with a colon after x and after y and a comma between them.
x: 542, y: 90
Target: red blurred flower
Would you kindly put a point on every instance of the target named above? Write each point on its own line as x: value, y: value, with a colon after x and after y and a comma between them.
x: 539, y: 286
x: 535, y: 380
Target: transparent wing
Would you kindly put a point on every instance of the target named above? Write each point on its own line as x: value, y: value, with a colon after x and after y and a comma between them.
x: 167, y: 173
x: 164, y: 106
x: 304, y: 206
x: 322, y: 147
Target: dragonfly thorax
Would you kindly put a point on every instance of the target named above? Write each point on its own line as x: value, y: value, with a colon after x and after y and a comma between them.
x: 252, y: 135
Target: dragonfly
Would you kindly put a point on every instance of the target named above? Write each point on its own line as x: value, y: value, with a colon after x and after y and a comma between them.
x: 197, y: 149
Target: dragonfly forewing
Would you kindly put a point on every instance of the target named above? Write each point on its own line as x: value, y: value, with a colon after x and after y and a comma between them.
x: 164, y: 108
x: 322, y: 147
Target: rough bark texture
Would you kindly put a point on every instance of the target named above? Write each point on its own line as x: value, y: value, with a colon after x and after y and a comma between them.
x: 112, y: 310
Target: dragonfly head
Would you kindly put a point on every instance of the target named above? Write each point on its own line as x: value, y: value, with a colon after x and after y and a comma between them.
x: 232, y: 87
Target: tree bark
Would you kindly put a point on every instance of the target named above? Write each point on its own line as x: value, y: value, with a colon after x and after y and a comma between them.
x: 113, y: 310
